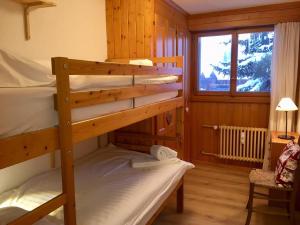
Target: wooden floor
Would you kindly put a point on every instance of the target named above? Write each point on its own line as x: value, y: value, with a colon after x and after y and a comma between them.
x: 216, y: 194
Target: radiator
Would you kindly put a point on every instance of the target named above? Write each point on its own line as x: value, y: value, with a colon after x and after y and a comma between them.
x: 242, y: 143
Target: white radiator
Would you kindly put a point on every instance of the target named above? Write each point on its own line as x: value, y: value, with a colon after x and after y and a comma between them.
x: 242, y: 143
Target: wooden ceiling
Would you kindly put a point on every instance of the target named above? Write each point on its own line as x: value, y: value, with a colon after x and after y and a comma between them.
x: 205, y: 6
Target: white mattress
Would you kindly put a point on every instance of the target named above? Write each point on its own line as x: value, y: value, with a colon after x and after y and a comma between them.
x: 108, y: 190
x: 29, y: 109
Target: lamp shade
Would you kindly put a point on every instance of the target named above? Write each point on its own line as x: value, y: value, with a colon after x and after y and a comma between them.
x: 286, y: 104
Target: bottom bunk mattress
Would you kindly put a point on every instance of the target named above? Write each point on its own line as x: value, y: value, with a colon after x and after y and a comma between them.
x: 30, y: 109
x: 108, y: 190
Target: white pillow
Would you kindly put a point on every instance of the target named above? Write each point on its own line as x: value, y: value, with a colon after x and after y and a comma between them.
x: 16, y: 71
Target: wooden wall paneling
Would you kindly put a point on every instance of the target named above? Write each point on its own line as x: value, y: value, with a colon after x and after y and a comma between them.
x: 117, y: 27
x: 160, y: 36
x: 110, y: 29
x: 214, y: 113
x: 132, y: 25
x: 124, y: 29
x: 149, y: 28
x: 140, y: 28
x: 254, y: 16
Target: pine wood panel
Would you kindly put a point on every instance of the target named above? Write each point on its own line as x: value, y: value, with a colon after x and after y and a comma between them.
x: 27, y: 146
x: 153, y: 28
x: 129, y: 28
x: 254, y: 16
x: 132, y: 24
x: 124, y: 28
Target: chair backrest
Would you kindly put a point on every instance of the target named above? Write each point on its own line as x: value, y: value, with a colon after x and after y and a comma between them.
x: 297, y: 174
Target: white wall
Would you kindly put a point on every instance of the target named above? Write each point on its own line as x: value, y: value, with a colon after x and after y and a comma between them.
x: 75, y: 29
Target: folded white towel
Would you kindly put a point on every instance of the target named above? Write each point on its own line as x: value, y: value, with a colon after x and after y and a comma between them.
x: 145, y: 163
x: 162, y: 152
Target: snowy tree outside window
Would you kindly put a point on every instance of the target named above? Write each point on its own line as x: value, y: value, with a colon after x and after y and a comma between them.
x: 254, y: 54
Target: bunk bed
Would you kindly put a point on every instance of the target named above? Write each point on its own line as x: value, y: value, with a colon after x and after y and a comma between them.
x: 25, y: 146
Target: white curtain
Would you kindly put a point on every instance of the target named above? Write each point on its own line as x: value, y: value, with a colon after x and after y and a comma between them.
x: 284, y: 73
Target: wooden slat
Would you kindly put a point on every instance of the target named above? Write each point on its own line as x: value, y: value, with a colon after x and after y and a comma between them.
x: 134, y: 147
x: 81, y: 67
x: 132, y: 21
x: 149, y: 28
x: 80, y: 99
x: 124, y: 29
x: 145, y: 136
x: 110, y: 29
x: 27, y: 146
x: 41, y: 211
x: 117, y: 27
x: 140, y: 28
x: 95, y: 127
x: 65, y: 138
x: 172, y: 59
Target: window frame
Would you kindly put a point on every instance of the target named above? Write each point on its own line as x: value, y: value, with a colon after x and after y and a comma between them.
x: 234, y: 56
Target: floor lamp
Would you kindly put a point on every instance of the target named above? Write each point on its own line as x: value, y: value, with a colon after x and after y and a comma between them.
x: 286, y: 105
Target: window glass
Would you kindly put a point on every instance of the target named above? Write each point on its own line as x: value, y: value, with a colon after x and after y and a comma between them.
x: 254, y: 61
x: 214, y: 63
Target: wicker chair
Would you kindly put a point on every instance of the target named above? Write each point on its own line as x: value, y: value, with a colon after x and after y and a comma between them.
x: 265, y: 179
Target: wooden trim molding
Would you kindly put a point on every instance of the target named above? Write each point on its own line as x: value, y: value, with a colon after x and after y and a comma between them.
x: 247, y: 17
x: 41, y: 211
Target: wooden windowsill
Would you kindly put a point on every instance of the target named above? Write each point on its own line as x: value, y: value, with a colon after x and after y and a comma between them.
x: 231, y: 99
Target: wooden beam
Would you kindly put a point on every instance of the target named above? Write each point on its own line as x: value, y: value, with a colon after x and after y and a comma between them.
x: 27, y: 146
x: 81, y: 67
x: 247, y: 17
x: 145, y: 136
x: 87, y: 98
x: 65, y: 138
x: 41, y: 211
x: 103, y: 124
x: 171, y: 59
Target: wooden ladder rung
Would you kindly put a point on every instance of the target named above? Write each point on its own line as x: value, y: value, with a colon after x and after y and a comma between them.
x: 271, y: 199
x: 41, y: 211
x: 270, y: 211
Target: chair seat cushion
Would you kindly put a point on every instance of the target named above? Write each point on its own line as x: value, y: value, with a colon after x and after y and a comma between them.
x: 262, y: 177
x: 287, y: 164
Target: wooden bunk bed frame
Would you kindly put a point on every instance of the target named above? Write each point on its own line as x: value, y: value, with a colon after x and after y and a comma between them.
x: 23, y: 147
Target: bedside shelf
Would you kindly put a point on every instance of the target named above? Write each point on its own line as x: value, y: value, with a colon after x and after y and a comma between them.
x: 30, y: 5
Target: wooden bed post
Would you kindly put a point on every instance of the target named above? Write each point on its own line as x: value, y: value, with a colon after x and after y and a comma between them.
x: 180, y: 112
x: 180, y: 197
x: 60, y: 69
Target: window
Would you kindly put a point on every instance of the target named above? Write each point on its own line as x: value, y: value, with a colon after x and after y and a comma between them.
x: 235, y: 62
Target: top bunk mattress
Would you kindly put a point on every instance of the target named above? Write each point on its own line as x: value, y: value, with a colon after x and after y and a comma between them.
x: 108, y: 190
x: 30, y: 109
x: 27, y: 88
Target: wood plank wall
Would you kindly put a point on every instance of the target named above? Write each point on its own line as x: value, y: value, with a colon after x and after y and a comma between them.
x: 225, y: 110
x: 145, y: 28
x: 129, y: 28
x: 248, y: 17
